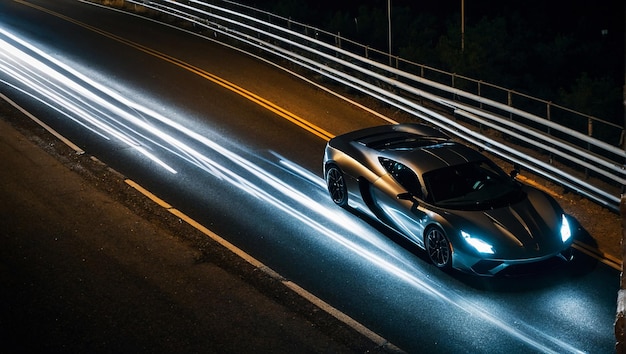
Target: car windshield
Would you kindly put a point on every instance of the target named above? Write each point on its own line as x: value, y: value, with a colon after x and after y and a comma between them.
x: 475, y: 185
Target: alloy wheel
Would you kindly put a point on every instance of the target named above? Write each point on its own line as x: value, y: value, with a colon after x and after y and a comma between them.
x: 337, y: 186
x: 438, y: 248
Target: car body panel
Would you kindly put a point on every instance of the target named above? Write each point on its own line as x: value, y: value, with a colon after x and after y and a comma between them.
x: 400, y: 174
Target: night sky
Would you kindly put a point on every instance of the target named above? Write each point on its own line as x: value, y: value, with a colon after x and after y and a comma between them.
x: 563, y: 15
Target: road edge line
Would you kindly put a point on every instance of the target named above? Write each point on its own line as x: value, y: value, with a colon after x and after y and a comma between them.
x: 305, y: 294
x: 48, y: 128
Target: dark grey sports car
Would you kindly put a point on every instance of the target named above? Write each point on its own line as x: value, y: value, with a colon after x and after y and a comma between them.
x: 447, y: 198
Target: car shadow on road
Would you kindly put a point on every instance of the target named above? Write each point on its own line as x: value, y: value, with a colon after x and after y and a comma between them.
x: 546, y: 274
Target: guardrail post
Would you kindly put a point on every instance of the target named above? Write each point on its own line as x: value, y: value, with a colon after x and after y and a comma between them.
x: 590, y: 134
x: 509, y: 100
x: 549, y: 130
x: 452, y: 83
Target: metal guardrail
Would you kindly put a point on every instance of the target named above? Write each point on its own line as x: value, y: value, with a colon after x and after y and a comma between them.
x: 580, y: 152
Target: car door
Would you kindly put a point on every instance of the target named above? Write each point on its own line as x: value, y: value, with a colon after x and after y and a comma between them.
x: 397, y: 197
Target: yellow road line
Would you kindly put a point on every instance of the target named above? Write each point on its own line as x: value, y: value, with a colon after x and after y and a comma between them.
x: 282, y: 112
x: 148, y: 194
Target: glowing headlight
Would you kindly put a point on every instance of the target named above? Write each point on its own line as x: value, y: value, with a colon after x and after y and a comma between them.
x: 480, y: 245
x: 566, y: 233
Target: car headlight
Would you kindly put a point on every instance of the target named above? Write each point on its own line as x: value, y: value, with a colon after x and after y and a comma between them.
x: 566, y: 232
x: 480, y: 245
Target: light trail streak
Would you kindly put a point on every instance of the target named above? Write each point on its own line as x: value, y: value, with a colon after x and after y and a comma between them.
x: 308, y: 126
x: 61, y: 93
x: 109, y: 114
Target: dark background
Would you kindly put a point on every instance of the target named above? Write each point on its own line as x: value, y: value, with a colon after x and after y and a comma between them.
x: 568, y: 52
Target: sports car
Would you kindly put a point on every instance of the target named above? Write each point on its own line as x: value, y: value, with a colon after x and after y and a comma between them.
x: 447, y: 198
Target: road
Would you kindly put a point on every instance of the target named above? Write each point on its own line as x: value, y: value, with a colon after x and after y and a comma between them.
x: 236, y: 145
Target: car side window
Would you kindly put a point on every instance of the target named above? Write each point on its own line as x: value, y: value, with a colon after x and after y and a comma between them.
x: 403, y: 175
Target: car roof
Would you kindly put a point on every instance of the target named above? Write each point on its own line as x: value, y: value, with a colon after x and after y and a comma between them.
x: 420, y: 147
x: 433, y: 157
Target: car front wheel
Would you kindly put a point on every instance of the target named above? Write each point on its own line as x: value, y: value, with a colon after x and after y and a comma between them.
x: 337, y: 186
x: 438, y: 248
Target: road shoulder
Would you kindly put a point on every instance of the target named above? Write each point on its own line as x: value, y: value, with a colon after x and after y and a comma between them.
x: 89, y: 264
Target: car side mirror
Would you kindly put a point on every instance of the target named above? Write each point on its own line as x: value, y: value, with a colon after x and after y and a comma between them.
x: 407, y: 196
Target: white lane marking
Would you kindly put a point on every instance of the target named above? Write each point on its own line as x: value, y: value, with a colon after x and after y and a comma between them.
x: 44, y: 125
x: 374, y: 337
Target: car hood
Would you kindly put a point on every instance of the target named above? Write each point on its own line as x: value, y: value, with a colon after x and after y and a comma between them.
x: 527, y: 229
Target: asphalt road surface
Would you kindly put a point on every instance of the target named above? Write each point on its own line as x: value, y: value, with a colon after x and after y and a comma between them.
x: 80, y: 272
x: 249, y: 175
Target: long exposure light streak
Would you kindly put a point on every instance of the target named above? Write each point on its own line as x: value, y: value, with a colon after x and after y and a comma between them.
x: 113, y: 116
x: 61, y: 93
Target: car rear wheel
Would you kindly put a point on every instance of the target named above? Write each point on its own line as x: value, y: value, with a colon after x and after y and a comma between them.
x: 438, y: 248
x: 337, y: 186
